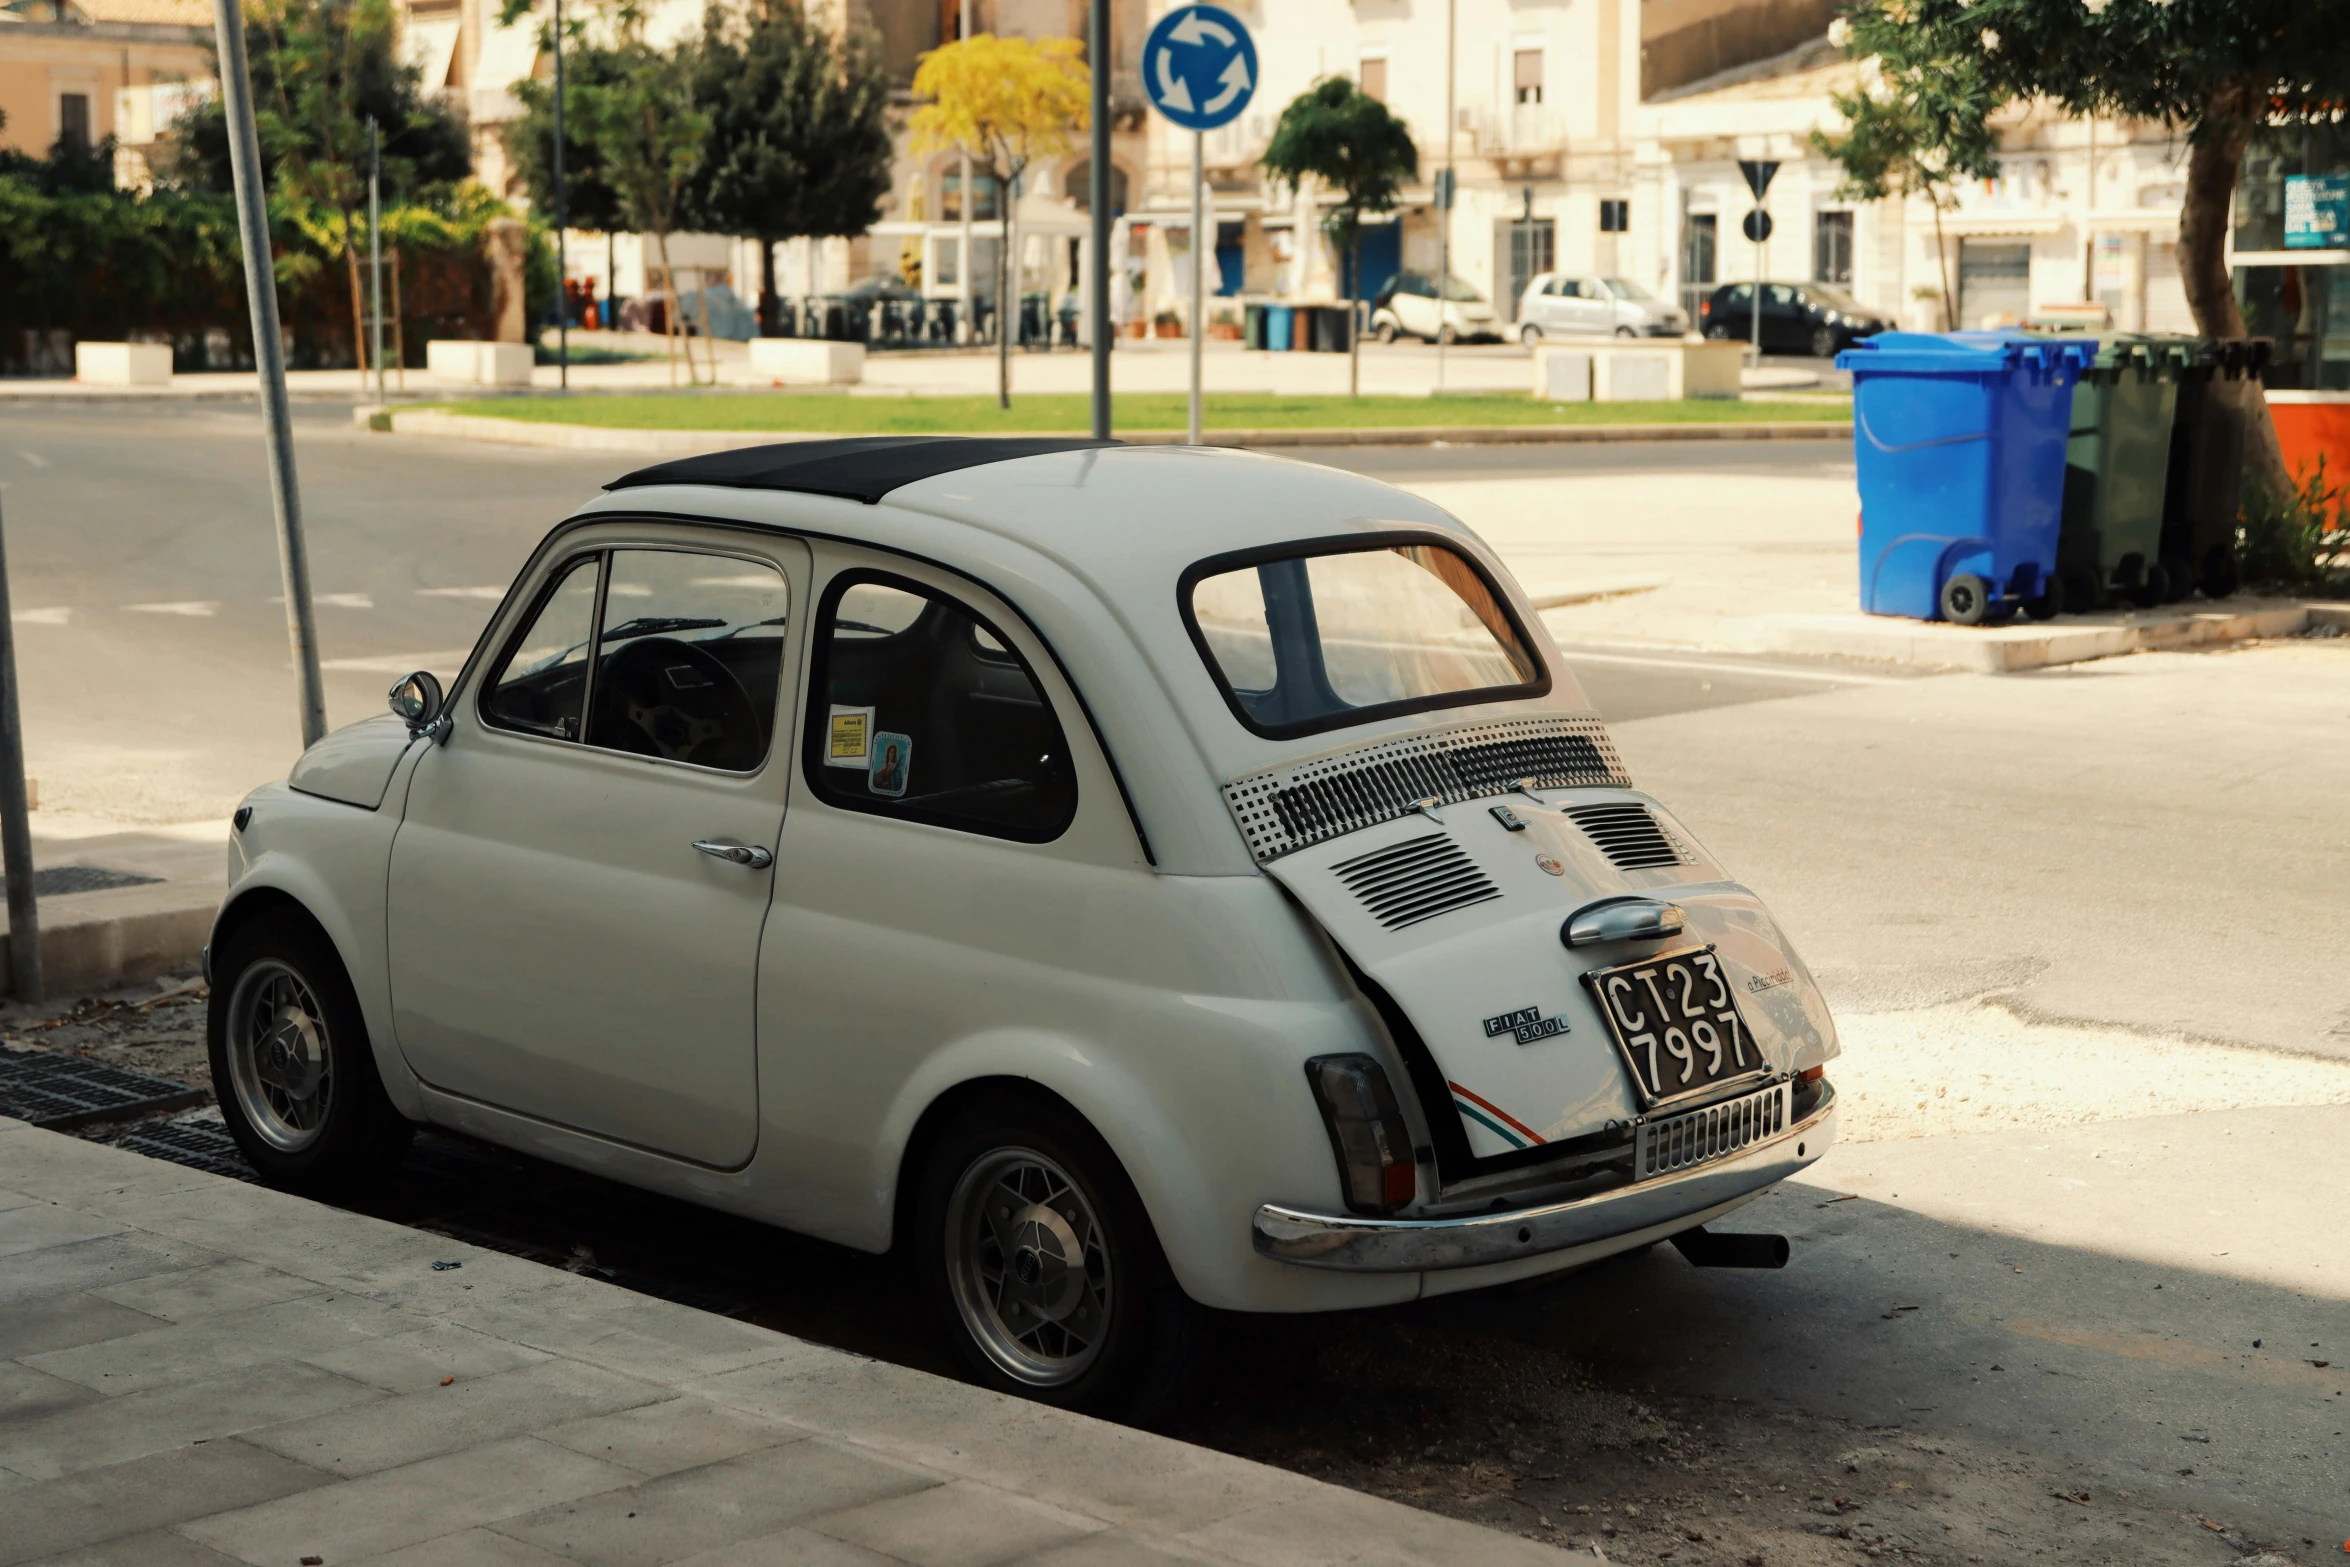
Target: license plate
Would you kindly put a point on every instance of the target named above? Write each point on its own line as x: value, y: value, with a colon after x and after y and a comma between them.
x: 1676, y: 1024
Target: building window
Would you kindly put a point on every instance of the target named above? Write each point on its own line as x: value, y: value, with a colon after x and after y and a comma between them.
x: 1533, y: 251
x: 1374, y: 78
x: 1615, y: 215
x: 1831, y: 248
x: 1527, y: 75
x: 1700, y: 236
x: 950, y: 197
x: 73, y: 119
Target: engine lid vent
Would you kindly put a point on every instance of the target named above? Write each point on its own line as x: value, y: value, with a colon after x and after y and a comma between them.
x: 1627, y: 834
x: 1415, y: 880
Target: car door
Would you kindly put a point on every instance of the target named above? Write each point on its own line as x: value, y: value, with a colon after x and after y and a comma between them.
x: 1786, y: 324
x: 580, y: 877
x: 1415, y: 307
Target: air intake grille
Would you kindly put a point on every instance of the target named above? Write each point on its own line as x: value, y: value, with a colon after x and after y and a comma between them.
x: 1288, y: 808
x: 1677, y: 1142
x: 1627, y: 834
x: 1415, y: 880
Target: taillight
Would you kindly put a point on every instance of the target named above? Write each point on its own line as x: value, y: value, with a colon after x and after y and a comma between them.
x: 1367, y: 1133
x: 1705, y: 307
x: 1811, y: 1074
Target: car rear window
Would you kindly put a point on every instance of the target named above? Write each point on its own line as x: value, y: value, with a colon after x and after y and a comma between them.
x: 1322, y: 638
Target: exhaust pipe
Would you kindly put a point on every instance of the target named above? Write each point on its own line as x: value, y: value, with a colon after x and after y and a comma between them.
x: 1731, y: 1251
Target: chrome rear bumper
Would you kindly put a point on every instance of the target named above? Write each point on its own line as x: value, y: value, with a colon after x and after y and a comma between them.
x: 1360, y: 1245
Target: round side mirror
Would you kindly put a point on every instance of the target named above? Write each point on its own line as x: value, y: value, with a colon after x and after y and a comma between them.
x: 418, y: 701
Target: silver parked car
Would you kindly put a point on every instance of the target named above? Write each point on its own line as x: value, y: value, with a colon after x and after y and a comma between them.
x: 1565, y: 304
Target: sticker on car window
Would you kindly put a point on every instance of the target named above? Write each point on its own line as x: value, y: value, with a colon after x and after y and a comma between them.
x: 849, y: 742
x: 893, y: 758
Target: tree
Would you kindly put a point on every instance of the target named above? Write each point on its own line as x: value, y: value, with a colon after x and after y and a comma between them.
x: 1003, y: 103
x: 1343, y: 137
x: 799, y: 136
x: 1919, y: 136
x: 590, y: 201
x: 2220, y: 69
x: 321, y: 69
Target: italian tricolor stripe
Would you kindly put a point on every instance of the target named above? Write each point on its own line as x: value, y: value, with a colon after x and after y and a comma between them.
x: 1493, y: 1117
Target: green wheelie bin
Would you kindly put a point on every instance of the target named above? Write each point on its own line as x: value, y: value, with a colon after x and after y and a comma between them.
x: 2117, y: 472
x: 2207, y: 464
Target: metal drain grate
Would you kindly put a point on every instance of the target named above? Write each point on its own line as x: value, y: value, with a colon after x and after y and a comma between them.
x: 199, y: 1145
x: 58, y: 1091
x: 58, y: 880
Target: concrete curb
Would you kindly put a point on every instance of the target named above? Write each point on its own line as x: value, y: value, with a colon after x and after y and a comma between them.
x: 97, y: 941
x: 686, y: 443
x: 2011, y: 649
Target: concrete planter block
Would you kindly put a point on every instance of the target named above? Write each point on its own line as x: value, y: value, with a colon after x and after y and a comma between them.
x: 478, y: 364
x: 122, y: 364
x: 1636, y: 370
x: 808, y: 361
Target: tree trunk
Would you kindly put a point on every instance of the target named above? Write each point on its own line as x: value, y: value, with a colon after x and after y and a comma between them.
x: 358, y: 307
x: 2215, y: 157
x: 1006, y: 274
x: 770, y: 307
x: 1942, y: 260
x: 1354, y: 337
x: 669, y: 301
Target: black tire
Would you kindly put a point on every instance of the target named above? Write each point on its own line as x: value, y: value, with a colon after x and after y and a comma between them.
x: 1447, y: 336
x: 2181, y: 577
x: 1626, y: 332
x: 2220, y: 576
x: 1965, y: 599
x: 1530, y: 335
x: 1139, y: 1363
x: 2048, y: 603
x: 1384, y: 331
x: 2083, y: 593
x: 2151, y: 588
x: 1823, y: 342
x: 291, y: 1063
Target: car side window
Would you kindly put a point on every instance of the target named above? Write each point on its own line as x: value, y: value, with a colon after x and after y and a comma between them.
x: 540, y: 687
x: 921, y: 709
x: 1779, y: 297
x: 689, y: 657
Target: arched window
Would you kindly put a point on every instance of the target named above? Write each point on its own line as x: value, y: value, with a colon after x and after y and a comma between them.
x: 1077, y: 185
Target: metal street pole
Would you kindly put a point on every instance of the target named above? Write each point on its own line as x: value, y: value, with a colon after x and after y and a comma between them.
x: 963, y: 262
x: 269, y: 362
x: 16, y: 834
x: 1098, y: 193
x: 1754, y: 328
x: 562, y: 221
x: 375, y: 251
x: 1199, y: 271
x: 1444, y: 207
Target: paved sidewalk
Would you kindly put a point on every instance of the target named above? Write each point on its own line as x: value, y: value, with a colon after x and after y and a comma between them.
x: 193, y: 1370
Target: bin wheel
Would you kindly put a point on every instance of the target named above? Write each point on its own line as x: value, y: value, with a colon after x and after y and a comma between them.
x: 2048, y: 603
x: 1966, y: 598
x: 2219, y: 572
x: 2182, y: 580
x: 2151, y: 588
x: 2083, y: 593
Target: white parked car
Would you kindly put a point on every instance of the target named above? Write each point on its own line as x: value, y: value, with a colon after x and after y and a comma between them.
x: 1564, y: 304
x: 1407, y: 307
x: 1131, y: 879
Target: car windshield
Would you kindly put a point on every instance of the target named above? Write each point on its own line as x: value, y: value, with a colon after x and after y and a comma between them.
x: 1625, y: 288
x: 1463, y: 293
x: 1312, y: 642
x: 1834, y: 299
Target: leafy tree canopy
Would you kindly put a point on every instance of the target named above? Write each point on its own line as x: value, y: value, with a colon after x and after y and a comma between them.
x: 1004, y: 101
x: 799, y: 136
x: 1338, y: 134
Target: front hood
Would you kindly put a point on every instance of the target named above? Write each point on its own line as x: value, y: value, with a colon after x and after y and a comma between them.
x: 355, y: 763
x: 1456, y: 915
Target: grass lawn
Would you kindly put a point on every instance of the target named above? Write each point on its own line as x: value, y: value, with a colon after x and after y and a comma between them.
x: 835, y: 413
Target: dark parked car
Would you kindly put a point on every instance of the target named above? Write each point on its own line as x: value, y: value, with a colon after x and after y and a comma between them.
x: 1818, y: 319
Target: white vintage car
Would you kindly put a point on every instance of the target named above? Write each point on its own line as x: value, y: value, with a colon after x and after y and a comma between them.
x: 1132, y: 879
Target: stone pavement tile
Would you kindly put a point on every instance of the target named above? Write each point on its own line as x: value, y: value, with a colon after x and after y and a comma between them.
x: 278, y: 1229
x: 64, y: 1321
x: 186, y: 1351
x: 636, y: 1336
x: 86, y: 1175
x: 115, y: 1430
x: 1115, y: 1548
x: 355, y: 1519
x: 60, y: 1270
x: 415, y: 1360
x: 699, y: 1509
x: 414, y: 1426
x: 472, y: 1548
x: 790, y: 1548
x: 47, y: 1517
x: 26, y: 1393
x: 9, y: 1199
x: 1114, y: 1473
x: 39, y: 1225
x: 681, y: 1433
x: 230, y: 1285
x: 1323, y: 1526
x: 964, y: 1524
x: 155, y: 1548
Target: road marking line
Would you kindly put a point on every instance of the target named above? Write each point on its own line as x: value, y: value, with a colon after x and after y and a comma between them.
x: 346, y: 600
x: 35, y: 458
x: 204, y: 608
x: 40, y: 617
x: 461, y: 593
x: 1767, y: 671
x: 399, y: 663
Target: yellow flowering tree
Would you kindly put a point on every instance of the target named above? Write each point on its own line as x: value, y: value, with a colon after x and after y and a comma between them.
x: 1003, y: 103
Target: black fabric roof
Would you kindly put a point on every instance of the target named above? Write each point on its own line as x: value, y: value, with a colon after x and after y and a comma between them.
x: 859, y: 468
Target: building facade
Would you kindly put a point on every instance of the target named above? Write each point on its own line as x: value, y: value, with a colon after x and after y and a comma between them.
x: 84, y: 70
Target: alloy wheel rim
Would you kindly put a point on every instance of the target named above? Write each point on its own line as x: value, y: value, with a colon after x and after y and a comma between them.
x: 279, y: 1059
x: 1029, y: 1266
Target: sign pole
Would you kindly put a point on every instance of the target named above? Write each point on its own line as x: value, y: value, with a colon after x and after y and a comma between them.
x: 16, y: 834
x: 1754, y: 330
x: 269, y: 363
x: 963, y: 201
x: 562, y: 221
x: 1199, y: 267
x: 1098, y: 48
x: 1444, y: 206
x: 375, y: 250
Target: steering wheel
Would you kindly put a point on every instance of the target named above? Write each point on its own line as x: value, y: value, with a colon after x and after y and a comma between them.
x: 661, y: 697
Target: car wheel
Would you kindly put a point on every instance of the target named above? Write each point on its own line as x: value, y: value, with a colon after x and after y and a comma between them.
x: 291, y: 1063
x: 1718, y: 333
x: 1041, y: 1269
x: 1625, y: 331
x: 1530, y: 335
x: 1385, y: 331
x: 1447, y: 336
x: 1823, y: 343
x: 1966, y: 599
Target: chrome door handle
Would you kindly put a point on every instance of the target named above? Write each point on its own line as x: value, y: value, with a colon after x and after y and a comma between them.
x: 749, y: 854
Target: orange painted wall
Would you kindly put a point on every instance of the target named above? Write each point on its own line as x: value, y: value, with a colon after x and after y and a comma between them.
x: 2307, y: 430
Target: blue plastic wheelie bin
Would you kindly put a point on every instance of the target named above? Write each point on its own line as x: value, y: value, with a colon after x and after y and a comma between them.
x: 1959, y: 438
